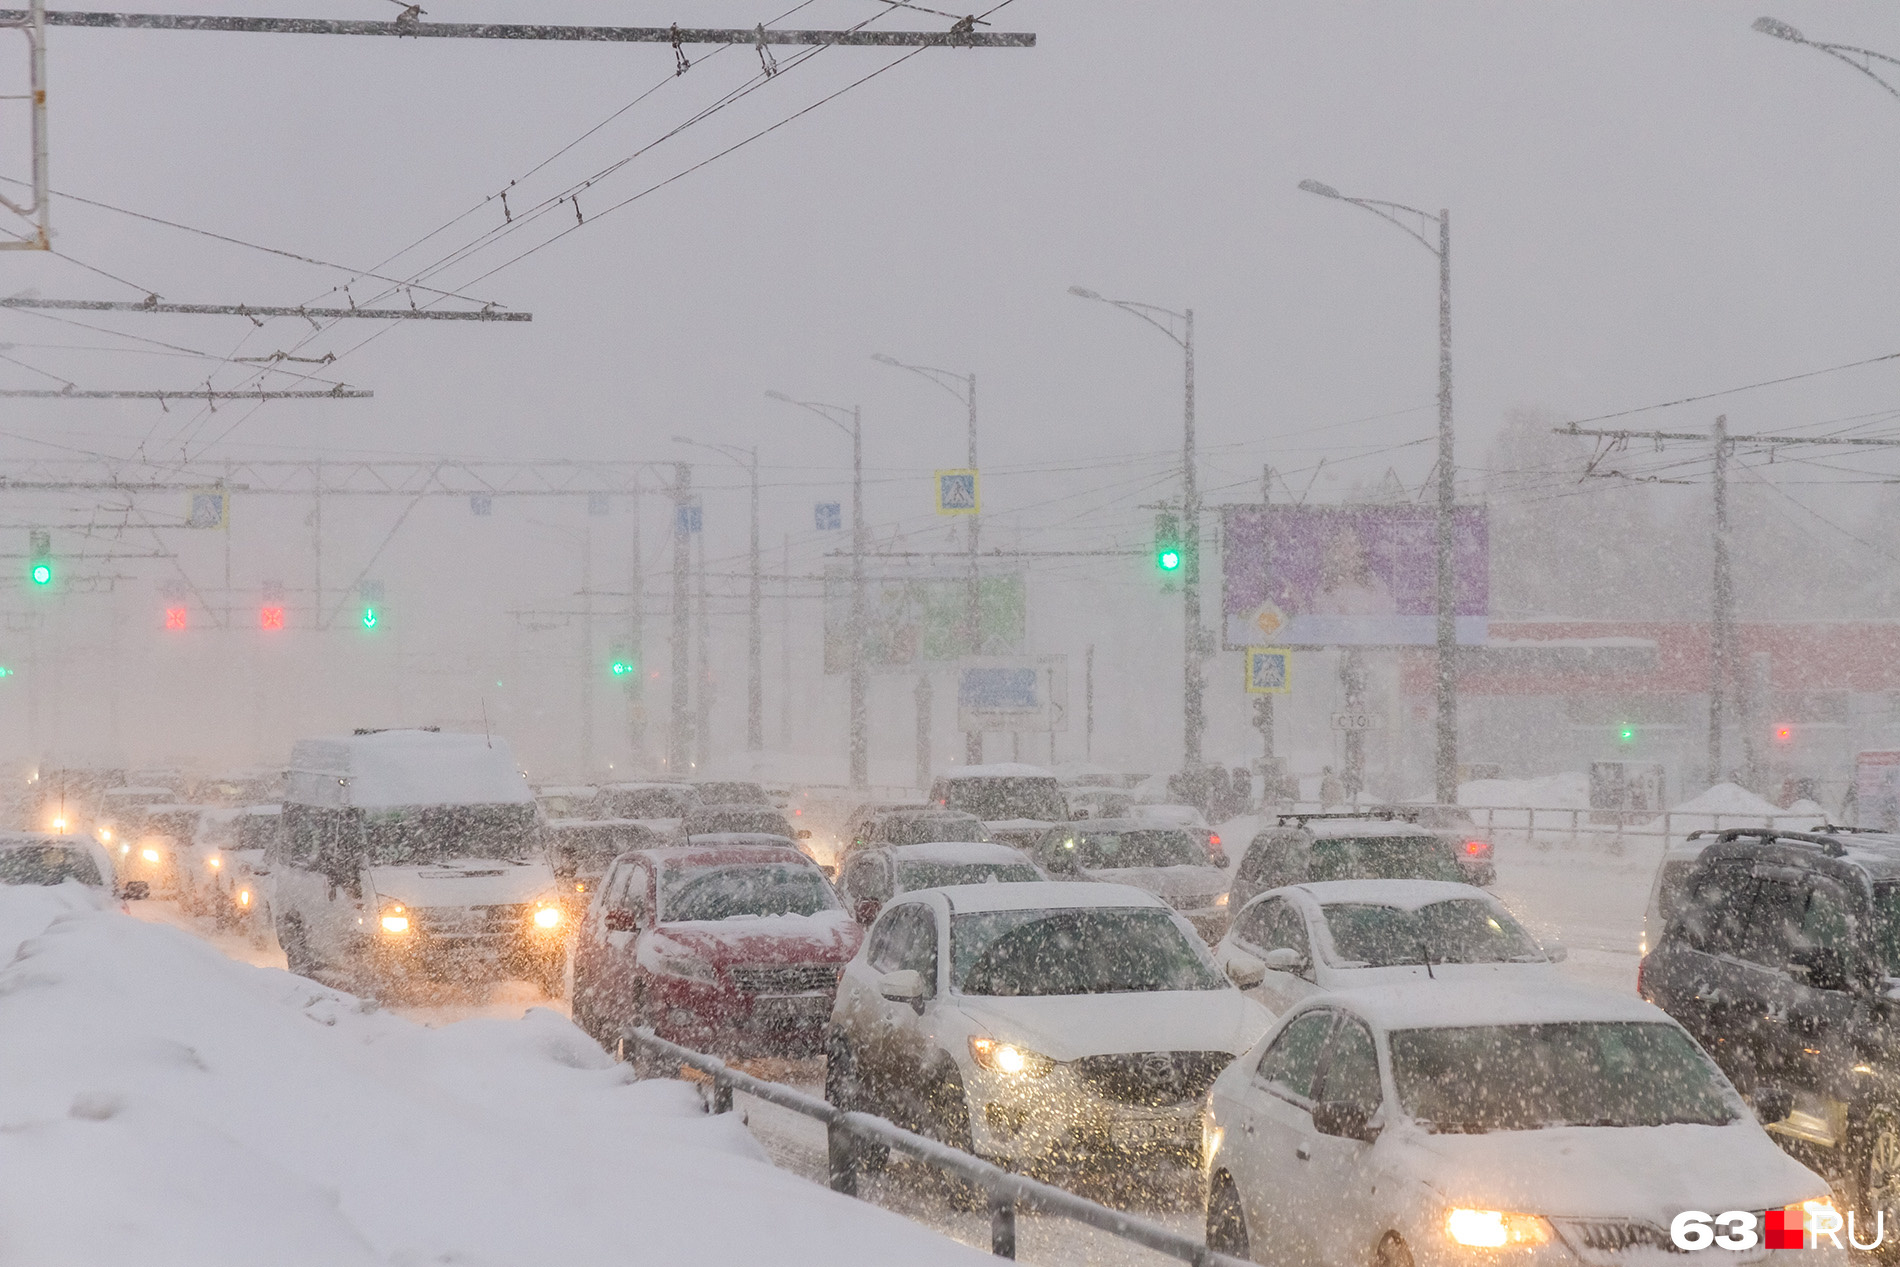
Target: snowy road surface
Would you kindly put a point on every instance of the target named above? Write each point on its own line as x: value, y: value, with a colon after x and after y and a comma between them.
x: 181, y: 1080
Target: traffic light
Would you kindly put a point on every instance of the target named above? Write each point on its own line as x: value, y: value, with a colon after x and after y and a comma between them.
x: 178, y: 617
x: 40, y: 547
x: 270, y: 614
x: 622, y: 663
x: 1168, y: 552
x: 371, y: 595
x: 1626, y: 733
x: 1784, y: 733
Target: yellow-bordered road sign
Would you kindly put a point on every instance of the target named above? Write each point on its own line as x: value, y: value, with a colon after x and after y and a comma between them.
x: 1269, y: 670
x: 957, y: 492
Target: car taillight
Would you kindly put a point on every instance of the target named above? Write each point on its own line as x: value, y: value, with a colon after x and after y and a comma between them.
x: 1478, y: 848
x: 1213, y: 840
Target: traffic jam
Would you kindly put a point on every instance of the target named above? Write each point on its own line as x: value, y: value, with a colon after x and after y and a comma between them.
x: 1334, y: 1033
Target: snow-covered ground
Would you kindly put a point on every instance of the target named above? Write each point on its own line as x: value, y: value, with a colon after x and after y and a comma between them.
x: 163, y: 1103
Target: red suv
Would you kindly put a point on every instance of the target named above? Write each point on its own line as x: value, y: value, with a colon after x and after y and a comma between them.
x: 732, y: 944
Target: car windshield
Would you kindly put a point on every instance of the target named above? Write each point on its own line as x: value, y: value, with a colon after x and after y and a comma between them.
x: 1463, y: 930
x: 421, y: 834
x: 1091, y: 950
x: 47, y: 864
x: 648, y: 802
x: 930, y: 829
x: 1887, y: 927
x: 936, y: 875
x: 258, y: 831
x: 1397, y: 857
x: 1474, y: 1079
x: 1008, y: 797
x: 752, y: 888
x: 739, y: 818
x: 1143, y: 847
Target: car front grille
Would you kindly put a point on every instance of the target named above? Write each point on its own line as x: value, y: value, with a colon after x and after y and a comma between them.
x: 1153, y: 1078
x: 800, y: 978
x: 471, y: 921
x: 1615, y: 1236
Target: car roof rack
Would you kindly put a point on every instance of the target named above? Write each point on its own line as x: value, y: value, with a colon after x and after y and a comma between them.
x: 1386, y: 814
x: 1829, y: 846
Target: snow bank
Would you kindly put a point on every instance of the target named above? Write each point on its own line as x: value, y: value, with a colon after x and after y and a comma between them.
x: 1730, y: 805
x: 1725, y: 799
x: 1570, y: 790
x: 161, y: 1104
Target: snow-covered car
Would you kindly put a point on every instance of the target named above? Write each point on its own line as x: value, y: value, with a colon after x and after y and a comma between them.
x: 735, y: 792
x: 46, y: 858
x: 1535, y: 1125
x: 1018, y: 803
x: 731, y: 945
x: 224, y: 873
x: 1169, y: 862
x: 1356, y: 934
x: 412, y: 855
x: 566, y: 800
x: 154, y: 843
x: 660, y: 806
x: 1350, y: 846
x: 874, y: 875
x: 1030, y: 1022
x: 918, y: 826
x: 1458, y: 828
x: 1098, y: 802
x: 581, y: 850
x: 750, y: 820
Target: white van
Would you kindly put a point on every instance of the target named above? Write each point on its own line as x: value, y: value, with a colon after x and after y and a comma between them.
x: 1018, y: 803
x: 412, y: 854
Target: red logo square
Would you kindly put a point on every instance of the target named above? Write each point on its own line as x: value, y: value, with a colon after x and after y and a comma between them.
x: 1782, y: 1229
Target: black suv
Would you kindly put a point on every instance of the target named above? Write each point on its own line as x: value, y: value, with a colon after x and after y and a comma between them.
x: 1783, y: 959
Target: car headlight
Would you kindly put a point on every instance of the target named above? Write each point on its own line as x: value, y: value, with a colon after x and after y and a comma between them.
x: 150, y: 855
x: 395, y: 919
x: 547, y: 917
x: 688, y: 967
x: 999, y: 1057
x: 1220, y: 899
x: 1495, y: 1229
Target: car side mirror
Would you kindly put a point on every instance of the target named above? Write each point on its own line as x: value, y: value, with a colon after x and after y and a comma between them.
x: 1244, y: 970
x: 1345, y: 1120
x: 1773, y: 1104
x: 136, y: 891
x: 1283, y: 959
x: 906, y: 985
x: 623, y: 919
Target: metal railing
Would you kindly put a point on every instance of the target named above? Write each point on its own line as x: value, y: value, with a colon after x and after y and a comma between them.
x: 1540, y: 824
x: 1004, y: 1192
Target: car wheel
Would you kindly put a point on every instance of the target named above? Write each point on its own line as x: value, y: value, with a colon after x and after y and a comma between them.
x: 1875, y: 1167
x: 297, y: 956
x: 947, y: 1120
x: 844, y: 1091
x: 1394, y: 1252
x: 1226, y: 1221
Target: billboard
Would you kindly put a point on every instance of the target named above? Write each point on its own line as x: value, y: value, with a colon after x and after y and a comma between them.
x: 1013, y: 693
x: 912, y: 622
x: 1348, y: 576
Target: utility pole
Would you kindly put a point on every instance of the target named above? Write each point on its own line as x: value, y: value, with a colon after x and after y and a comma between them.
x: 755, y: 631
x: 586, y: 701
x: 702, y: 721
x: 680, y: 729
x: 785, y: 652
x: 923, y: 702
x: 1263, y: 704
x: 1722, y: 618
x: 1088, y: 696
x: 1724, y: 632
x: 636, y: 637
x: 860, y: 721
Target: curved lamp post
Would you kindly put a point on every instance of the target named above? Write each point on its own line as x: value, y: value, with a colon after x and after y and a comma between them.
x: 1861, y: 59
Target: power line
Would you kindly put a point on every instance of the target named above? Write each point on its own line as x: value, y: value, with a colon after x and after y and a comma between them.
x: 268, y: 310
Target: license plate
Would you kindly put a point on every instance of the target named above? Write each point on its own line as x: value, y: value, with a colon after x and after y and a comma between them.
x: 1149, y: 1131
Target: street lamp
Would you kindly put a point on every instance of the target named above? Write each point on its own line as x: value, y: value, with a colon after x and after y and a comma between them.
x: 1193, y: 719
x: 1446, y: 765
x: 755, y: 631
x: 963, y: 387
x: 833, y: 414
x: 1861, y: 59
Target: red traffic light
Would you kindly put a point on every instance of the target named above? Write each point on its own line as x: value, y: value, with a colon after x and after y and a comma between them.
x: 1784, y: 733
x: 177, y: 618
x: 270, y: 617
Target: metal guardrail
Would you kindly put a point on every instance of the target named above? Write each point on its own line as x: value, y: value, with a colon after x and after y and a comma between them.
x: 1004, y: 1191
x: 1541, y: 824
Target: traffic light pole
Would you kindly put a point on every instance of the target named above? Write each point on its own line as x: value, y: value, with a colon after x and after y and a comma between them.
x: 680, y: 728
x: 1194, y: 715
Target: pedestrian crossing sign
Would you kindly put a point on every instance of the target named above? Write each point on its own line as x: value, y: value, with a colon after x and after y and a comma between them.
x: 1269, y: 670
x: 956, y: 492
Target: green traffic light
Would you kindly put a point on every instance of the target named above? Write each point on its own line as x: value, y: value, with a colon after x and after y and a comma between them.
x: 5, y: 671
x: 621, y: 668
x: 370, y: 618
x: 42, y: 574
x: 1168, y: 560
x: 1627, y: 734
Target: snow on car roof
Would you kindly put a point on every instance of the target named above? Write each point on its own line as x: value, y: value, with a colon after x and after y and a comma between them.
x: 1406, y: 895
x: 1444, y: 1004
x: 726, y: 847
x: 958, y: 851
x: 1044, y: 894
x: 394, y: 768
x: 1000, y: 770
